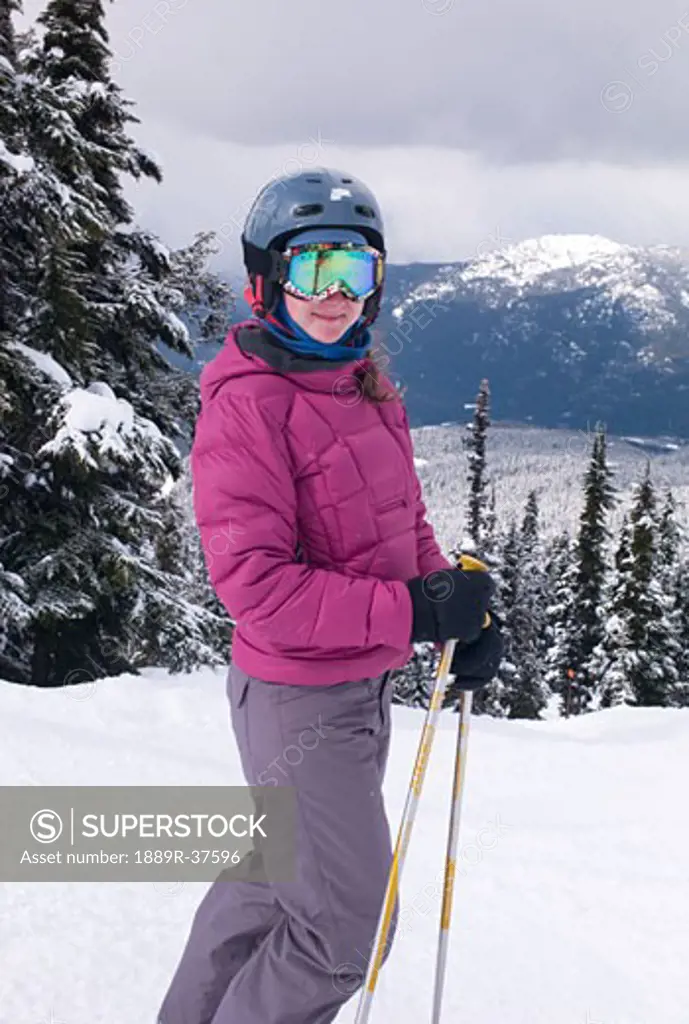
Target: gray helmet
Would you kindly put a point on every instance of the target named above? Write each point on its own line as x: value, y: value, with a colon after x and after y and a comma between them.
x: 314, y: 198
x: 319, y: 197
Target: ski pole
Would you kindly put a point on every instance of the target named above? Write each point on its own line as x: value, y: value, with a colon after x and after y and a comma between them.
x: 451, y: 858
x: 403, y: 836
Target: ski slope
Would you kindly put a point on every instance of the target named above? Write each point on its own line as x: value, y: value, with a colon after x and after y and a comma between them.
x: 572, y: 892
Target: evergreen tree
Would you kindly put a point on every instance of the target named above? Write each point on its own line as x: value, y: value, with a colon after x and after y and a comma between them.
x: 641, y: 629
x: 611, y: 660
x: 529, y: 530
x: 681, y: 695
x: 669, y: 540
x: 121, y: 313
x: 561, y: 598
x: 523, y: 692
x: 475, y: 446
x: 591, y: 566
x: 7, y: 47
x: 175, y: 622
x: 413, y: 684
x: 38, y: 215
x: 672, y: 573
x: 74, y: 58
x: 93, y: 409
x: 494, y: 699
x: 489, y: 547
x: 655, y: 674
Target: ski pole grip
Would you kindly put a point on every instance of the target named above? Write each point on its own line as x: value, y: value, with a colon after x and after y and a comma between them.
x: 470, y: 564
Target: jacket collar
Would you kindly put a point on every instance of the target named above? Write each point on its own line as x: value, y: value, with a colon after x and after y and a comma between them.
x: 260, y: 342
x: 260, y: 355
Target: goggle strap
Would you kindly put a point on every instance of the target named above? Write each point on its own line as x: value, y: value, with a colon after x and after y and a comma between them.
x: 267, y: 263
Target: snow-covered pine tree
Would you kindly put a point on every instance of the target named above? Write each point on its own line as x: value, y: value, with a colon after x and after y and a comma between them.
x: 74, y: 56
x: 7, y: 9
x: 489, y: 546
x: 610, y: 663
x: 11, y: 158
x: 523, y: 693
x: 96, y: 301
x: 653, y: 630
x: 672, y: 574
x: 201, y: 591
x: 111, y: 591
x: 669, y: 540
x: 15, y: 611
x: 641, y: 632
x: 493, y: 699
x: 561, y: 579
x: 475, y: 447
x: 414, y: 682
x: 180, y: 623
x: 531, y: 694
x: 591, y: 568
x: 681, y: 697
x: 133, y: 288
x: 38, y: 215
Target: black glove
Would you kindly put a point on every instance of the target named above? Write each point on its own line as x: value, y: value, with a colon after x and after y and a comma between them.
x: 476, y: 664
x: 449, y: 604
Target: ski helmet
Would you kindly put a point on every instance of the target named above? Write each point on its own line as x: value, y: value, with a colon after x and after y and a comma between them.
x: 287, y: 206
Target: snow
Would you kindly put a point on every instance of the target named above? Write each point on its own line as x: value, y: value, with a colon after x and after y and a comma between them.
x: 571, y: 888
x: 167, y: 486
x: 176, y: 326
x: 87, y: 90
x: 96, y: 410
x: 44, y: 362
x: 535, y: 257
x: 21, y: 164
x: 560, y: 264
x: 160, y: 249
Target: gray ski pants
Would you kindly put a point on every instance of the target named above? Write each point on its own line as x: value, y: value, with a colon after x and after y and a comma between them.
x: 293, y: 953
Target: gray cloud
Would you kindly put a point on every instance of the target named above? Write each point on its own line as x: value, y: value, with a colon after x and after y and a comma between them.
x: 471, y: 119
x: 606, y: 79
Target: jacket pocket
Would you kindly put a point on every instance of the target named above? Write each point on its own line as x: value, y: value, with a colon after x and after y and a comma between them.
x: 390, y: 504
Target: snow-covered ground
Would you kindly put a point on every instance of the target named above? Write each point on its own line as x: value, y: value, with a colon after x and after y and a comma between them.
x: 572, y: 894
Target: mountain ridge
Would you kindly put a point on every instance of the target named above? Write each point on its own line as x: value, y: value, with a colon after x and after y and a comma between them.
x: 568, y: 329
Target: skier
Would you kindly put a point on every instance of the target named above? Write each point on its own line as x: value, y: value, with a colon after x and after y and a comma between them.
x: 316, y: 541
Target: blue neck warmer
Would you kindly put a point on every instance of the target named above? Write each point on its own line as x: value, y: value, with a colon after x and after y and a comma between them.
x: 298, y: 340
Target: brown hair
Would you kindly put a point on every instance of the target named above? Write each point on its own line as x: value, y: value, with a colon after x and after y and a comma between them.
x: 372, y: 385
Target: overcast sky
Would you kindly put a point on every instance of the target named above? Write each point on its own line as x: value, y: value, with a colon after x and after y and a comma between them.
x: 476, y: 122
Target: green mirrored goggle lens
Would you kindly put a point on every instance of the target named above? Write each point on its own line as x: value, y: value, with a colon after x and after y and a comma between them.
x: 312, y: 272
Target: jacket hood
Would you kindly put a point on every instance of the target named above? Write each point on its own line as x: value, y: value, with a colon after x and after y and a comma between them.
x: 250, y: 351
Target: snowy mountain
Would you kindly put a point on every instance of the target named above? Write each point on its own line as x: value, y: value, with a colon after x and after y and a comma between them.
x: 570, y: 890
x: 652, y: 284
x: 569, y: 329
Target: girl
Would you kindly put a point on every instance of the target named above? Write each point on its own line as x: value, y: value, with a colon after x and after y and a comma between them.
x: 316, y: 541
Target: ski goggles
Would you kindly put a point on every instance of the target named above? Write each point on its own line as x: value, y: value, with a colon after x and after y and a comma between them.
x: 317, y: 269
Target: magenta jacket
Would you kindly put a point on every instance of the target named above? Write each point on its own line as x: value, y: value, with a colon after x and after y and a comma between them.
x: 310, y: 514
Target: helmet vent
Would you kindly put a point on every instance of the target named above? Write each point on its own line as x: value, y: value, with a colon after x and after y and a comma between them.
x: 364, y: 211
x: 307, y: 209
x: 346, y: 181
x: 314, y: 181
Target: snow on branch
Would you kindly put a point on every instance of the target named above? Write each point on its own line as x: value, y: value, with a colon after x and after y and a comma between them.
x: 44, y: 362
x: 94, y: 414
